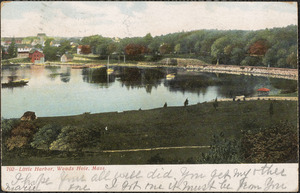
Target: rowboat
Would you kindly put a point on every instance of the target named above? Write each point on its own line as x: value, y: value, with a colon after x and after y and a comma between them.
x: 16, y: 83
x: 170, y: 76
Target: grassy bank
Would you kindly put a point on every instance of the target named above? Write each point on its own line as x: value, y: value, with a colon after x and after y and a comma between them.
x: 164, y: 127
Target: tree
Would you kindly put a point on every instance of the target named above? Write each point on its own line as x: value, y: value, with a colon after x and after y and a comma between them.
x: 3, y: 53
x: 217, y: 49
x: 12, y: 49
x: 177, y: 48
x: 165, y: 105
x: 148, y: 39
x: 65, y: 46
x: 45, y: 136
x: 259, y: 47
x: 135, y: 51
x: 85, y: 49
x: 51, y: 53
x: 165, y: 48
x: 74, y: 138
x: 291, y: 60
x: 186, y: 102
x: 215, y: 104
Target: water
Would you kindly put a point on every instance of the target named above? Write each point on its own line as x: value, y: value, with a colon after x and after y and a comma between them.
x: 61, y: 90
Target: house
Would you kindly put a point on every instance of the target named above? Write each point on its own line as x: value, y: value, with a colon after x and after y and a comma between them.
x: 66, y: 58
x: 37, y: 56
x: 263, y: 92
x: 23, y: 50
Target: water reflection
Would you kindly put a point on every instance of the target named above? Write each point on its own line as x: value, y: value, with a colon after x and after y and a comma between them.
x: 66, y: 76
x: 98, y: 76
x: 192, y: 83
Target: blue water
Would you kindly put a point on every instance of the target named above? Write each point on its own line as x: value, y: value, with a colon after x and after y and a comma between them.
x: 60, y: 91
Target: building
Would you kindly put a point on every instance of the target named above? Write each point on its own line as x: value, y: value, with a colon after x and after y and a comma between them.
x: 37, y: 57
x: 7, y: 41
x: 66, y: 58
x: 263, y: 91
x: 23, y: 50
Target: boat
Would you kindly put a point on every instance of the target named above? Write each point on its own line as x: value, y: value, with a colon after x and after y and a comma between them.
x: 16, y: 83
x: 170, y: 76
x: 109, y: 71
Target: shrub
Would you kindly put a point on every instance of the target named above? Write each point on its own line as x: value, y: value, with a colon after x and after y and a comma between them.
x: 16, y: 142
x: 73, y: 138
x: 223, y: 150
x: 45, y: 136
x: 275, y: 144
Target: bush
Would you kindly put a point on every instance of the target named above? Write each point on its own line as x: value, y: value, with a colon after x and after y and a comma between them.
x: 7, y: 125
x: 45, y: 136
x: 223, y: 150
x: 276, y: 144
x: 21, y: 134
x: 73, y: 138
x: 16, y: 142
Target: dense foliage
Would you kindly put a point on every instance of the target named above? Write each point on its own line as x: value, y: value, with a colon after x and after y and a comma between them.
x: 276, y: 47
x: 274, y: 144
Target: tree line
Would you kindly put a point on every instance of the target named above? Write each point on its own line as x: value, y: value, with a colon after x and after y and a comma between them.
x: 276, y: 47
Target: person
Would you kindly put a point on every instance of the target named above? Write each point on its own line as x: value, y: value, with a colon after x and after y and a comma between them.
x: 186, y: 102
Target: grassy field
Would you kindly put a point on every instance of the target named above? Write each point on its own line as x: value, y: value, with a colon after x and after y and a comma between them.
x: 164, y: 127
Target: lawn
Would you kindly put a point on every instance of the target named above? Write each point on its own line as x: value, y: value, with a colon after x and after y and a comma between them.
x: 163, y: 127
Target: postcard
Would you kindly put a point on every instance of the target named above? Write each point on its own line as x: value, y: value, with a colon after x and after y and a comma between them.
x: 141, y: 96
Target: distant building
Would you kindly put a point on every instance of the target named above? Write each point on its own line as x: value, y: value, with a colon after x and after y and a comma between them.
x: 263, y: 91
x: 23, y: 50
x: 66, y: 58
x: 8, y: 41
x: 37, y: 57
x: 55, y: 43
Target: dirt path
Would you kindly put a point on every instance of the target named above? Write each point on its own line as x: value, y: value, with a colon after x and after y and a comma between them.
x: 155, y: 148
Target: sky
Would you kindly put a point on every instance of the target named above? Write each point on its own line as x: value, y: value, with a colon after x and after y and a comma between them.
x: 136, y: 19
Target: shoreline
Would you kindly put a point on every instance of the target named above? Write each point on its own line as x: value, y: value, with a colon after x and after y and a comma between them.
x: 257, y: 98
x: 199, y: 66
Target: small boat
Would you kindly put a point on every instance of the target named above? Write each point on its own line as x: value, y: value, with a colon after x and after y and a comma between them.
x: 109, y: 70
x: 16, y: 83
x: 170, y: 76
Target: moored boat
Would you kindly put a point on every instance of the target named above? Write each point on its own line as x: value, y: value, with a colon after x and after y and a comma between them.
x: 170, y: 76
x: 16, y: 83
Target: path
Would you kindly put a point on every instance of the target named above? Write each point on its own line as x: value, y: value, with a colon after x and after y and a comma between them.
x: 155, y: 148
